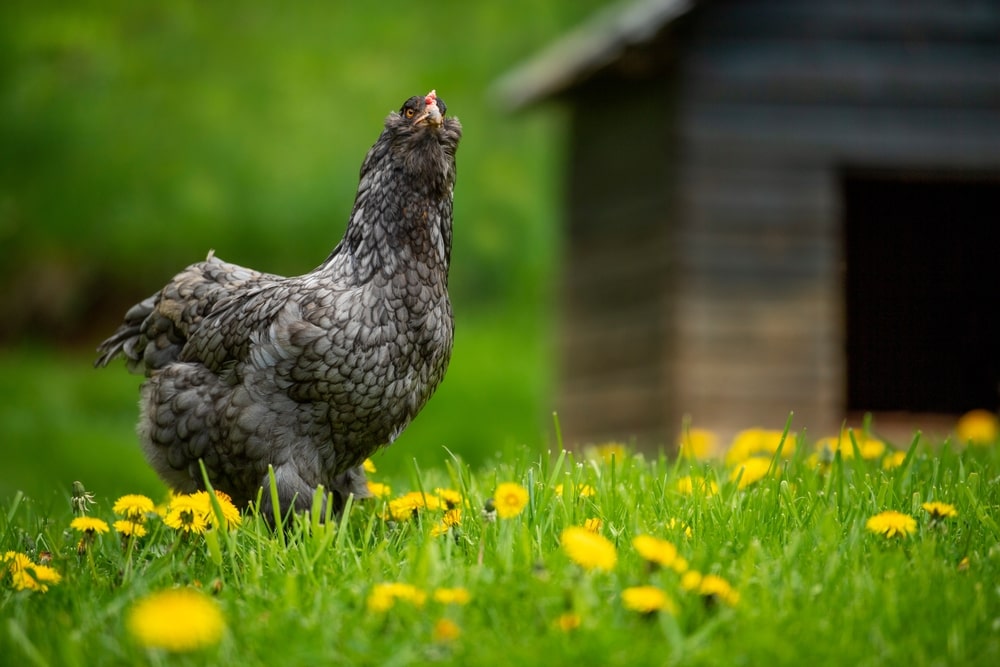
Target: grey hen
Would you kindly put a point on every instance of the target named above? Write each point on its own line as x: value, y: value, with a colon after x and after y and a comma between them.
x: 309, y: 374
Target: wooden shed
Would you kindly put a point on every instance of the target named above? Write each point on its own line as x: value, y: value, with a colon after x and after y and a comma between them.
x: 775, y: 206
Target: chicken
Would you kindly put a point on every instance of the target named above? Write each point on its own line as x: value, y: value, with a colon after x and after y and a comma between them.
x: 309, y: 374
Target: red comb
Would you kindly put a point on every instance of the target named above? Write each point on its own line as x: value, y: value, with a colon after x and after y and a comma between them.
x: 431, y: 97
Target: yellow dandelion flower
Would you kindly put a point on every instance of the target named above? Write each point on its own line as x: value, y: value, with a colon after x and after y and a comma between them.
x: 449, y: 497
x: 385, y: 595
x: 510, y: 499
x: 658, y: 551
x: 230, y: 514
x: 568, y: 622
x: 978, y: 427
x: 892, y: 524
x: 690, y: 485
x: 16, y: 560
x: 710, y: 586
x: 130, y: 528
x: 691, y: 580
x: 759, y: 442
x: 647, y: 600
x: 22, y: 580
x: 458, y: 596
x: 593, y: 525
x: 134, y: 507
x: 407, y: 505
x: 369, y: 467
x: 696, y: 443
x: 27, y: 575
x: 199, y: 499
x: 446, y: 630
x: 893, y: 460
x: 716, y: 588
x: 379, y: 490
x: 89, y: 525
x: 450, y: 519
x: 606, y: 453
x: 588, y: 550
x: 187, y: 513
x: 409, y: 593
x: 403, y: 508
x: 869, y: 446
x: 44, y: 575
x: 177, y: 620
x: 939, y: 510
x: 750, y: 470
x: 380, y: 600
x: 194, y: 512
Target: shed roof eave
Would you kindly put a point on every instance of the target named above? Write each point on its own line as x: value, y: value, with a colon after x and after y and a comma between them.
x: 596, y: 43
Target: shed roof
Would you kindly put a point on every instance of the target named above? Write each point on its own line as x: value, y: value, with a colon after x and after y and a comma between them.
x: 586, y: 49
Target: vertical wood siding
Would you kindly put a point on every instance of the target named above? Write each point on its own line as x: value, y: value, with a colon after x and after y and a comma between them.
x: 704, y: 268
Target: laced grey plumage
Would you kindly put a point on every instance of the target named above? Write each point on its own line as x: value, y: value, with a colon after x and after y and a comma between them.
x: 309, y: 374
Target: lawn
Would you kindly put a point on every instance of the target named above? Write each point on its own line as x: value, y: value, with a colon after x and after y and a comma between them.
x: 786, y: 551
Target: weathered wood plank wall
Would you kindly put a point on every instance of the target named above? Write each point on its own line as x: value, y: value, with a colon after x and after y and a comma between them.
x: 614, y: 337
x: 704, y: 259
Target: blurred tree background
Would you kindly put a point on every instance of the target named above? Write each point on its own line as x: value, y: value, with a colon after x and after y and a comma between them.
x: 135, y: 136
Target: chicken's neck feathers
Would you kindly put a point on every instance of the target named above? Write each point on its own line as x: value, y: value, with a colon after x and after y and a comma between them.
x: 401, y: 220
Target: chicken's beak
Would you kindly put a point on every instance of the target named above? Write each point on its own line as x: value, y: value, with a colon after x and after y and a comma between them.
x: 431, y: 116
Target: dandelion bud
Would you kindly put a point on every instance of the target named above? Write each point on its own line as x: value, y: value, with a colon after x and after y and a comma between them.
x: 81, y: 498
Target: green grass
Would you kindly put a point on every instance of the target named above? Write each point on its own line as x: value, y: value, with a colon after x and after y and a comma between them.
x: 814, y: 585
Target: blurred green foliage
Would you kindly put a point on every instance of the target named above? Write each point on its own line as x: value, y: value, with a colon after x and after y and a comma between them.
x: 135, y: 136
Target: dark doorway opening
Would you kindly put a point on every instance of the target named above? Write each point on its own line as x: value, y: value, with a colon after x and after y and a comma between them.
x: 922, y: 287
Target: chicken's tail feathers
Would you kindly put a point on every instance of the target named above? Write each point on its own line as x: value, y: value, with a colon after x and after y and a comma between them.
x: 156, y: 331
x: 129, y: 340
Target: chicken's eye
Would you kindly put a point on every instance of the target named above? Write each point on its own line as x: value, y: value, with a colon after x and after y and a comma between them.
x: 408, y: 112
